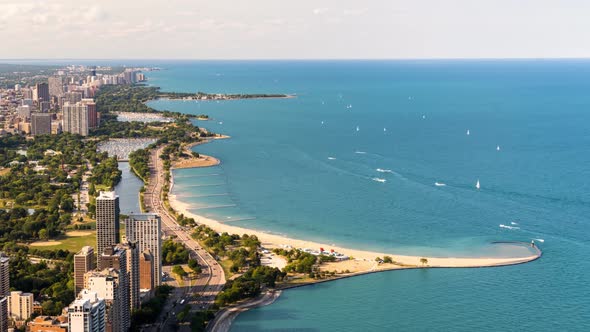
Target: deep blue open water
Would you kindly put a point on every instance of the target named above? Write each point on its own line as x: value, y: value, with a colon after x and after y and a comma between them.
x: 300, y: 167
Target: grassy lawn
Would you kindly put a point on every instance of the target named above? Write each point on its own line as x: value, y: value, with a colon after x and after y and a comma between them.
x: 71, y: 243
x: 226, y: 265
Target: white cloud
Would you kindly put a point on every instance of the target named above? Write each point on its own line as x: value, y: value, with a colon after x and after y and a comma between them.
x: 319, y: 11
x: 355, y: 12
x: 278, y: 29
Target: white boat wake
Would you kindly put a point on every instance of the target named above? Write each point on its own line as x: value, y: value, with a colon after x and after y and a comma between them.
x: 379, y: 180
x: 381, y: 170
x: 508, y: 227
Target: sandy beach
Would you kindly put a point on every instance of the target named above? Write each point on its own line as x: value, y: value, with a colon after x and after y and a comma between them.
x: 202, y: 161
x: 362, y: 260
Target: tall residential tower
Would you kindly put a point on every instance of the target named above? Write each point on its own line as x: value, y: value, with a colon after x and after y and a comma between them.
x: 107, y: 222
x: 146, y: 230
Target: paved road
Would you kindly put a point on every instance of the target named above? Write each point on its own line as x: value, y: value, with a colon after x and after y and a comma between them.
x: 203, y: 291
x: 225, y: 317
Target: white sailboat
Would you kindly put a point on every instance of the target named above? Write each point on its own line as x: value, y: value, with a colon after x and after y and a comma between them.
x: 357, y: 128
x: 477, y: 186
x: 467, y: 132
x: 498, y: 148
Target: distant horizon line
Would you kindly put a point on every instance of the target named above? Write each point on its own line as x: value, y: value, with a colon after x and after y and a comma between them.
x: 298, y: 59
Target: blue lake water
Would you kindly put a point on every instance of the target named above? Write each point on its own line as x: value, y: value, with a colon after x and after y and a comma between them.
x: 353, y: 161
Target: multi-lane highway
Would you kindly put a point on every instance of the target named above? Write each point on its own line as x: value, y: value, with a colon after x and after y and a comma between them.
x: 201, y: 294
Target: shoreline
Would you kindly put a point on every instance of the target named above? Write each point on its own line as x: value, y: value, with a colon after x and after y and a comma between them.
x: 361, y: 262
x: 279, y: 241
x: 272, y: 241
x: 286, y: 96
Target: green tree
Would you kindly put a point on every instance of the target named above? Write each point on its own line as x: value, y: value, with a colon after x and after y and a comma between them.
x: 194, y: 265
x: 424, y: 261
x: 387, y: 259
x: 43, y: 234
x: 178, y: 270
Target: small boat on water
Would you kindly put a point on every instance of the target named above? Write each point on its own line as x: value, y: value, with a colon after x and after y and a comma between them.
x: 440, y: 184
x: 498, y: 148
x: 477, y: 186
x: 468, y: 132
x: 357, y: 128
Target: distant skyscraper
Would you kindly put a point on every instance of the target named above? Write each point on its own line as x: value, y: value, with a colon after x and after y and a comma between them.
x: 44, y: 106
x: 42, y: 92
x: 133, y: 272
x: 114, y: 262
x: 40, y: 124
x: 129, y: 76
x: 3, y: 314
x: 92, y: 115
x: 56, y: 86
x: 87, y: 314
x: 75, y: 119
x: 125, y: 258
x: 107, y: 222
x: 146, y: 230
x: 146, y: 270
x: 4, y: 275
x: 24, y: 112
x: 72, y: 97
x: 20, y: 305
x: 83, y: 262
x: 4, y: 291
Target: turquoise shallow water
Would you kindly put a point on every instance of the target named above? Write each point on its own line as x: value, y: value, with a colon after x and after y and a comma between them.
x: 301, y: 167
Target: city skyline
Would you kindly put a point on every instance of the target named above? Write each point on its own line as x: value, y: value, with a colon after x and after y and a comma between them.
x: 182, y: 29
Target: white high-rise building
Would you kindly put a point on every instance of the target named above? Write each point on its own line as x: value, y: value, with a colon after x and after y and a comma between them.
x: 111, y: 285
x: 107, y: 222
x: 145, y: 228
x: 75, y: 118
x: 87, y: 313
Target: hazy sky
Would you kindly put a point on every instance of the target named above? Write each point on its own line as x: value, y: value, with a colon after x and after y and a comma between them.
x: 246, y: 29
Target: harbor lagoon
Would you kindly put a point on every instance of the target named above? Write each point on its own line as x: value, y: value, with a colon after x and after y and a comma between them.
x: 128, y: 190
x: 122, y: 147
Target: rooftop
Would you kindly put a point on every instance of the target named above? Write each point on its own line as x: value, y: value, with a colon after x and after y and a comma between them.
x: 143, y: 216
x: 107, y: 195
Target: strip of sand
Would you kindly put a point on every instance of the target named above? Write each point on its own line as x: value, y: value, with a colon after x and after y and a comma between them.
x: 278, y: 241
x: 78, y: 233
x: 363, y: 261
x: 44, y: 243
x: 202, y: 161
